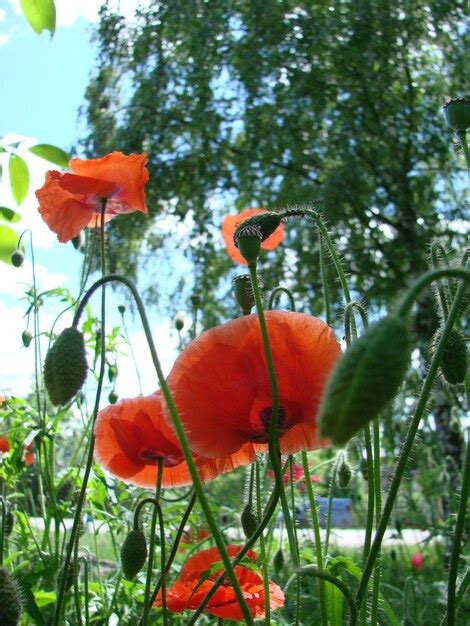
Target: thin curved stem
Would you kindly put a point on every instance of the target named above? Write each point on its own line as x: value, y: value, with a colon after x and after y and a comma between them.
x: 324, y: 280
x: 276, y: 291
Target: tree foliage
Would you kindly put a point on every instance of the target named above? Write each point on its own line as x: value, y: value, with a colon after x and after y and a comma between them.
x: 245, y: 103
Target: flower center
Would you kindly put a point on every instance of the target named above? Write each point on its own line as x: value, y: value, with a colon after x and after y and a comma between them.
x: 264, y: 417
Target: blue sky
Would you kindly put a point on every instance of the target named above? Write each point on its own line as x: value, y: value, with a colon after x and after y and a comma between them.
x: 45, y: 81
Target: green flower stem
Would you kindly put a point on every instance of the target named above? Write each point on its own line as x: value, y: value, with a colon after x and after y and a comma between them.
x: 86, y: 590
x: 324, y: 280
x: 76, y: 589
x: 323, y: 575
x: 174, y: 549
x: 262, y: 545
x: 428, y: 277
x: 370, y: 507
x: 276, y: 291
x: 274, y: 452
x: 2, y: 532
x: 317, y: 538
x: 378, y: 513
x: 156, y: 511
x: 211, y: 521
x: 437, y: 249
x: 415, y: 420
x: 457, y: 540
x: 89, y: 462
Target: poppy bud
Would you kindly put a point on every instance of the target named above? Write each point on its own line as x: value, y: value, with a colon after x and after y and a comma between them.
x: 26, y: 338
x: 133, y: 553
x: 17, y: 258
x: 9, y: 522
x: 121, y: 309
x: 393, y: 554
x: 249, y: 520
x: 344, y: 472
x: 65, y: 366
x: 365, y: 379
x: 69, y: 576
x: 112, y: 371
x: 113, y: 397
x: 64, y: 491
x: 249, y: 243
x: 178, y: 321
x: 265, y: 224
x: 457, y: 112
x: 454, y: 362
x: 278, y: 561
x: 244, y: 293
x: 10, y: 599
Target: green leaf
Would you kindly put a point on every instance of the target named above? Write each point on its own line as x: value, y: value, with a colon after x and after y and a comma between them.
x: 40, y: 14
x: 334, y: 603
x: 8, y: 243
x: 51, y: 153
x: 9, y: 215
x: 19, y: 178
x: 43, y: 598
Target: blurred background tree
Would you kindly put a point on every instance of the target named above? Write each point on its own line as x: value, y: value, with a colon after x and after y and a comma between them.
x: 243, y: 103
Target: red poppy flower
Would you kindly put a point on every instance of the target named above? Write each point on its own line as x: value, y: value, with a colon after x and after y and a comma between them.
x: 70, y: 202
x: 132, y: 435
x: 187, y: 592
x: 29, y: 457
x: 416, y: 561
x: 4, y: 444
x: 230, y: 223
x: 221, y: 386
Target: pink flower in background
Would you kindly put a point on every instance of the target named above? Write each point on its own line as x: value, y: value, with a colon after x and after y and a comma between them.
x: 416, y: 561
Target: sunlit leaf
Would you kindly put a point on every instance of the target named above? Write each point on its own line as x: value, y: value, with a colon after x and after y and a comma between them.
x: 8, y: 242
x: 19, y: 178
x: 51, y: 153
x: 40, y: 14
x: 43, y: 598
x: 9, y: 215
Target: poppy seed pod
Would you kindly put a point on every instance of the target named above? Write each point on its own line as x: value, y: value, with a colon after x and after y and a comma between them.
x: 65, y: 366
x: 121, y: 309
x: 10, y: 599
x: 243, y: 291
x: 265, y: 224
x: 17, y: 258
x: 344, y: 472
x: 457, y: 112
x: 249, y: 519
x: 113, y: 397
x: 178, y: 321
x: 365, y: 379
x: 454, y: 362
x: 133, y: 553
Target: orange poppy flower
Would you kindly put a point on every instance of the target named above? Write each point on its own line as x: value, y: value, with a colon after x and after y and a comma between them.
x: 132, y: 434
x: 70, y: 202
x: 187, y: 592
x: 4, y: 444
x: 221, y: 387
x: 231, y: 222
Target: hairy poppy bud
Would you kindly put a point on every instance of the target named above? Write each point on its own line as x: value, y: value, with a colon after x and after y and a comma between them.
x: 278, y: 561
x: 178, y: 321
x: 243, y: 291
x: 344, y: 472
x: 69, y: 576
x: 249, y: 520
x: 17, y: 258
x: 457, y: 112
x: 364, y: 468
x: 112, y: 371
x: 26, y: 338
x: 113, y: 397
x: 265, y: 224
x: 133, y: 553
x: 64, y: 490
x: 365, y: 379
x: 65, y: 366
x: 454, y: 362
x: 196, y: 300
x: 10, y: 599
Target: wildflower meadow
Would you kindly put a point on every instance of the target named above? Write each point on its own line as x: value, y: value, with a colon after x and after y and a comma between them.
x: 294, y: 448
